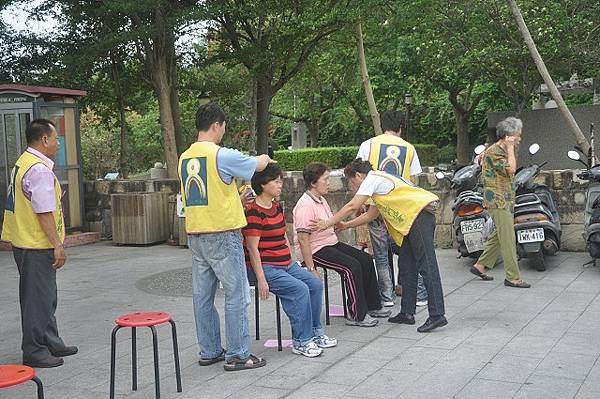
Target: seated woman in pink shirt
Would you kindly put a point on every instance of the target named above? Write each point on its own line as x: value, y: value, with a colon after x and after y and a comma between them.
x: 322, y: 248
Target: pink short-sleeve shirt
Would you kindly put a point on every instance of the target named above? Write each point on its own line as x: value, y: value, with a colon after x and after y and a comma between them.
x: 307, y: 209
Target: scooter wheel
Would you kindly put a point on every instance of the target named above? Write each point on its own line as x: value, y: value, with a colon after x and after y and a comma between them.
x: 540, y: 264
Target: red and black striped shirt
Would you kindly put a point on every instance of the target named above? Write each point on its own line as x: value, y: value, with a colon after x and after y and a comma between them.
x: 269, y: 225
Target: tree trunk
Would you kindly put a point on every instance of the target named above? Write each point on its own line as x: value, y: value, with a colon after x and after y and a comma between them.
x: 123, y: 147
x: 264, y: 95
x: 541, y: 66
x: 462, y: 137
x: 362, y: 62
x: 252, y: 121
x: 163, y: 88
x: 179, y: 136
x: 314, y: 130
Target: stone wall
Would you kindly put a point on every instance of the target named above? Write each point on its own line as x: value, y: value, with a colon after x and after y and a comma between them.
x: 568, y: 192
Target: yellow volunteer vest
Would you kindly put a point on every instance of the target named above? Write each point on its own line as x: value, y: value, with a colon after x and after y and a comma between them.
x: 21, y: 226
x: 400, y: 207
x: 391, y: 154
x: 210, y: 204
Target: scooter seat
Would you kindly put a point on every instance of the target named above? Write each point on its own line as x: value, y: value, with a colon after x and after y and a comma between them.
x: 527, y: 199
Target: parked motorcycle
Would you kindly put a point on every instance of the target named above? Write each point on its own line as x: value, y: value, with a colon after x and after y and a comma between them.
x: 469, y: 214
x: 536, y: 219
x: 591, y: 232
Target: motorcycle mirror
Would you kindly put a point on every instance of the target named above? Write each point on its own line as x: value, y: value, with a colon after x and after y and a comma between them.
x: 534, y: 148
x: 479, y: 149
x: 574, y: 155
x: 440, y: 175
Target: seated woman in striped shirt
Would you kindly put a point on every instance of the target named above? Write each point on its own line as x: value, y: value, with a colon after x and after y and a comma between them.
x: 270, y: 264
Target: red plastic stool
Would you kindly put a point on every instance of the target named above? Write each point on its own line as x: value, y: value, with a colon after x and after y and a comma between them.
x: 143, y: 319
x: 15, y: 374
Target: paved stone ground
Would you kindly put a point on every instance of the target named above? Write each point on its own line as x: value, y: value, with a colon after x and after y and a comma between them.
x: 501, y: 342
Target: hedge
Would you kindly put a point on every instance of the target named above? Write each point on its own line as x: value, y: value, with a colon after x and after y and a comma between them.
x: 338, y: 157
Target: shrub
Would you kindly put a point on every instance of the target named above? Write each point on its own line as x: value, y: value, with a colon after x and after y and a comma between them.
x: 338, y: 157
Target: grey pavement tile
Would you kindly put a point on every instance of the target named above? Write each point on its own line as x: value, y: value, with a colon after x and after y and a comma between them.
x: 384, y: 348
x: 509, y: 368
x: 587, y: 323
x: 320, y: 390
x: 293, y: 374
x: 253, y: 392
x: 529, y: 346
x: 547, y: 328
x: 350, y: 370
x: 582, y: 344
x: 480, y: 388
x: 417, y: 359
x: 547, y: 387
x: 385, y: 384
x: 566, y: 365
x: 491, y: 336
x: 448, y: 337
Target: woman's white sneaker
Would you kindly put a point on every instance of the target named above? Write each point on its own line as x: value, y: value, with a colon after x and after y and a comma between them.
x: 309, y: 350
x: 323, y: 341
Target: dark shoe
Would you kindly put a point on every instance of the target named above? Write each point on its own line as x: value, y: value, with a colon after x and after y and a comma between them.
x: 208, y: 362
x: 431, y: 325
x: 46, y: 363
x: 482, y: 276
x: 522, y: 284
x: 66, y: 351
x: 402, y: 318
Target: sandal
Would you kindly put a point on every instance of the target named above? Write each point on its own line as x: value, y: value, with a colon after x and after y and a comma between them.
x: 212, y: 360
x: 482, y: 276
x: 252, y: 362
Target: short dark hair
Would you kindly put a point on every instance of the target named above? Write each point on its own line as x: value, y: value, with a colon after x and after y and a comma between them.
x: 357, y: 166
x: 208, y: 114
x: 392, y: 120
x: 37, y: 129
x: 270, y: 173
x: 313, y: 172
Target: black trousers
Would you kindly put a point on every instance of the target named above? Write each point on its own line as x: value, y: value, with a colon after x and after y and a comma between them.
x: 417, y: 255
x: 358, y: 271
x: 38, y: 299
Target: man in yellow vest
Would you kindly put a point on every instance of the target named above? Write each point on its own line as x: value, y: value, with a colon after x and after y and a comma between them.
x: 408, y: 212
x: 34, y: 225
x: 214, y: 217
x: 390, y: 153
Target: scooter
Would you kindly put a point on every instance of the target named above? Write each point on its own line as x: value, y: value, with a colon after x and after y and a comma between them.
x: 469, y: 216
x: 591, y: 232
x: 536, y: 219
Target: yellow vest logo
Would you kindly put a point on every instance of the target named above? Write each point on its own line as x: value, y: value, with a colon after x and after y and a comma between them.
x: 195, y: 183
x: 392, y: 159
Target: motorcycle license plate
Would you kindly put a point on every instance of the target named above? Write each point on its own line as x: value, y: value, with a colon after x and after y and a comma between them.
x: 530, y: 235
x: 474, y: 241
x: 471, y: 226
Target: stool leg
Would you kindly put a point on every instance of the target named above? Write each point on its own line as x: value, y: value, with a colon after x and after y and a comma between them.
x: 326, y: 283
x: 176, y: 355
x: 133, y: 359
x: 113, y: 356
x: 256, y: 312
x: 156, y: 371
x: 344, y: 304
x: 278, y: 311
x: 40, y: 387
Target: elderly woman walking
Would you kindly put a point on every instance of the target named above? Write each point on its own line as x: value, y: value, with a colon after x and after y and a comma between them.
x: 498, y: 170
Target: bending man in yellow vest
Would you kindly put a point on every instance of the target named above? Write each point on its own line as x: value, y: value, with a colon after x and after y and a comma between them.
x: 214, y: 217
x: 409, y: 216
x: 33, y: 224
x: 390, y: 153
